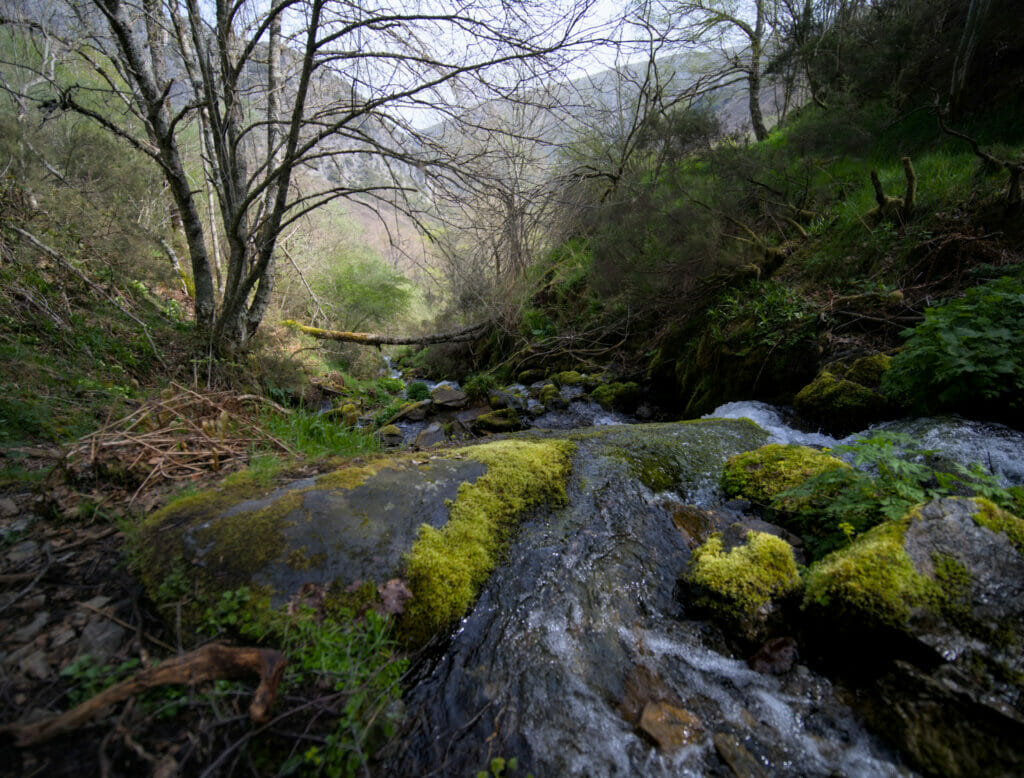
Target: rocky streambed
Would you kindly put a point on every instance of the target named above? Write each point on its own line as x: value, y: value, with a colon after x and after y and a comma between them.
x: 553, y: 571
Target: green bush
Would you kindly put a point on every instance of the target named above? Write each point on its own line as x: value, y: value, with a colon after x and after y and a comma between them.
x: 417, y: 390
x: 965, y: 351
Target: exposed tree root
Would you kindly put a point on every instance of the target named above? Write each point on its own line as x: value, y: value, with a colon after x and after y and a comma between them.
x: 209, y: 663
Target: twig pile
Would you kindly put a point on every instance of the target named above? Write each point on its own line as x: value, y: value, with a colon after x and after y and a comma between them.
x: 182, y: 435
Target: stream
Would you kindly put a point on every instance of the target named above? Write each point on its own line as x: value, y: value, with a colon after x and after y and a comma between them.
x: 581, y: 626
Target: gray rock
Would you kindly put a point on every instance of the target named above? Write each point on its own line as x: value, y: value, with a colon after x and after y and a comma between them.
x: 415, y: 412
x: 29, y: 631
x: 23, y: 552
x: 430, y: 436
x: 449, y: 397
x: 101, y: 640
x: 36, y: 666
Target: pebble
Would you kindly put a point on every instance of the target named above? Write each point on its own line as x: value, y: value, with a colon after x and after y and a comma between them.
x: 35, y: 665
x: 101, y: 639
x: 30, y: 630
x: 8, y: 507
x: 22, y: 552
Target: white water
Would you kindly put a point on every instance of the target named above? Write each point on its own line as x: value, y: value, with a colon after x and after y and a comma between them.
x: 995, y: 446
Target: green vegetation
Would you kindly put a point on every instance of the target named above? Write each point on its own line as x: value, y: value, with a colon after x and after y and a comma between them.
x: 763, y: 474
x: 891, y: 475
x: 965, y: 353
x: 446, y: 567
x: 737, y: 584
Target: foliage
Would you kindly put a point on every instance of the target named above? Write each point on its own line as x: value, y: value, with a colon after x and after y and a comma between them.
x: 479, y: 385
x: 362, y: 292
x: 316, y: 435
x: 965, y: 352
x: 765, y: 313
x: 891, y: 475
x: 417, y: 390
x: 88, y: 677
x: 354, y: 657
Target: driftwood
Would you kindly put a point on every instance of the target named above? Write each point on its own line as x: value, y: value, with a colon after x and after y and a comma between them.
x: 209, y: 663
x: 372, y: 339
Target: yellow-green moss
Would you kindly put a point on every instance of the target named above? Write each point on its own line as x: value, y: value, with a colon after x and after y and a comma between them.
x: 446, y: 567
x: 874, y: 579
x: 761, y: 474
x: 351, y: 477
x: 617, y: 396
x: 738, y: 583
x: 549, y: 394
x: 996, y: 519
x: 567, y: 378
x: 868, y: 371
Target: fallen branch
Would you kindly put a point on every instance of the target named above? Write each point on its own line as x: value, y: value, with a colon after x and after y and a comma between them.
x: 1014, y: 169
x: 209, y: 663
x: 371, y: 339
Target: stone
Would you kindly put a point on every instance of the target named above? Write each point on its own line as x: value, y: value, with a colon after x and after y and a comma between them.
x: 414, y: 411
x: 671, y: 727
x: 776, y: 657
x: 22, y: 552
x: 391, y: 436
x: 101, y: 640
x: 30, y: 630
x: 735, y: 754
x: 502, y: 398
x: 846, y: 398
x: 505, y: 420
x: 8, y: 508
x: 430, y: 436
x: 445, y: 396
x: 36, y: 666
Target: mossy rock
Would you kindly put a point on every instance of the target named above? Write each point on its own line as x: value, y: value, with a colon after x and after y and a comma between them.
x: 760, y: 475
x: 551, y: 398
x: 844, y: 398
x: 567, y: 378
x: 504, y: 420
x: 617, y: 396
x: 743, y: 586
x: 957, y: 561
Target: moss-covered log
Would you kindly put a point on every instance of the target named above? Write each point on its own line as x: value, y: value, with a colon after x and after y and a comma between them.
x: 373, y: 339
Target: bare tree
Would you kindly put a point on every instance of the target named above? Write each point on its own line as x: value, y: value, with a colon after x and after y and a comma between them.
x: 740, y: 32
x: 278, y: 86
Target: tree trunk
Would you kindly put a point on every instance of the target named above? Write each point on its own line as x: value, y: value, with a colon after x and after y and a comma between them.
x: 754, y: 76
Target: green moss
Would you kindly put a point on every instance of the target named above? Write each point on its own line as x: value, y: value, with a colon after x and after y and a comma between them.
x: 739, y: 583
x: 567, y: 378
x: 868, y: 371
x: 996, y: 519
x: 617, y: 396
x: 245, y: 542
x: 873, y: 579
x: 351, y: 477
x: 761, y: 474
x: 549, y: 395
x: 828, y: 393
x: 504, y: 420
x: 446, y: 567
x: 354, y: 598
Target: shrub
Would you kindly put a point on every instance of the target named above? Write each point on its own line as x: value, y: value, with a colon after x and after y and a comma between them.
x: 965, y: 351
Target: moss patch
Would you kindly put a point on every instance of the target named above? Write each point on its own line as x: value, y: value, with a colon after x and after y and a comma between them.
x: 761, y: 474
x: 618, y: 396
x: 739, y: 583
x: 352, y: 476
x: 446, y: 567
x: 874, y: 579
x: 996, y: 519
x: 846, y: 396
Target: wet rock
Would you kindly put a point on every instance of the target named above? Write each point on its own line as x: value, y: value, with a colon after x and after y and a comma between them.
x: 391, y: 436
x: 552, y: 399
x: 502, y: 398
x: 445, y: 396
x: 430, y: 436
x: 617, y: 396
x: 744, y: 588
x: 847, y: 397
x: 414, y: 411
x: 740, y: 760
x: 30, y: 630
x: 505, y: 420
x: 776, y: 657
x: 670, y: 726
x: 22, y: 552
x: 939, y: 598
x: 762, y: 474
x: 101, y: 640
x: 736, y: 535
